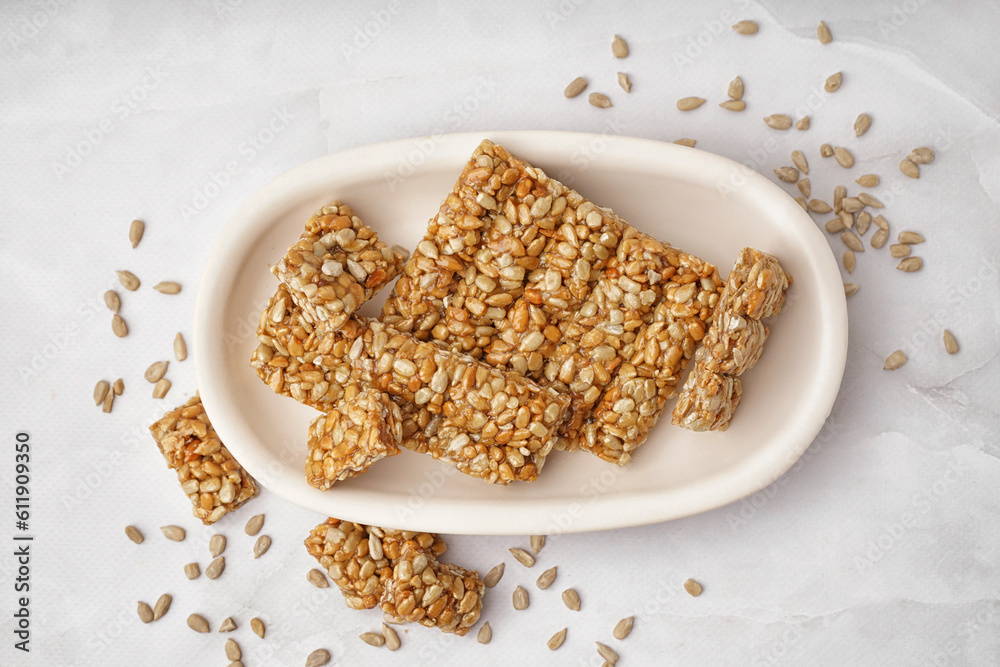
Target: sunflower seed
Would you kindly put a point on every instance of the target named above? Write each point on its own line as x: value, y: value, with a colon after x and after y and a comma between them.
x: 851, y: 204
x: 556, y: 640
x: 261, y: 546
x: 950, y: 344
x: 733, y: 105
x: 118, y: 326
x: 921, y: 156
x: 847, y: 219
x: 801, y: 201
x: 537, y: 542
x: 843, y: 157
x: 607, y: 653
x: 575, y: 87
x: 174, y: 533
x: 135, y: 231
x: 868, y: 200
x: 215, y: 568
x: 625, y: 82
x: 879, y: 238
x: 778, y: 121
x: 910, y: 237
x: 867, y: 180
x: 881, y: 222
x: 686, y: 142
x: 390, y: 637
x: 833, y: 82
x: 520, y: 598
x: 805, y: 187
x: 167, y: 287
x: 894, y: 361
x: 523, y: 557
x: 192, y: 570
x: 133, y: 534
x: 823, y: 32
x: 156, y: 371
x: 910, y: 264
x: 799, y: 160
x: 600, y: 100
x: 109, y: 401
x: 485, y: 634
x: 819, y: 206
x: 161, y: 388
x: 145, y: 612
x: 802, y: 123
x: 198, y: 623
x: 909, y: 168
x: 863, y: 222
x: 228, y: 625
x: 688, y: 103
x: 850, y: 289
x: 835, y: 225
x: 112, y: 301
x: 826, y: 150
x: 217, y: 545
x: 257, y: 626
x: 623, y: 628
x: 571, y: 599
x: 317, y: 578
x: 735, y: 90
x: 233, y: 650
x: 493, y: 577
x: 100, y: 391
x: 162, y: 606
x: 745, y: 28
x: 546, y: 578
x: 861, y: 124
x: 899, y: 250
x: 849, y: 261
x: 618, y: 47
x: 852, y: 241
x: 692, y: 587
x: 839, y: 193
x: 787, y: 174
x: 318, y: 658
x: 118, y: 387
x: 128, y: 280
x: 372, y: 638
x: 254, y: 525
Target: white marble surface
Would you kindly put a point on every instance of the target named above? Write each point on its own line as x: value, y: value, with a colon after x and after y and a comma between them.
x: 879, y: 548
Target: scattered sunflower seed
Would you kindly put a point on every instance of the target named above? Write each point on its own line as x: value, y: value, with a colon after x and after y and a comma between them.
x: 607, y: 653
x: 192, y: 570
x: 174, y: 533
x: 575, y: 87
x: 835, y: 225
x: 546, y: 578
x: 261, y: 546
x: 879, y: 238
x: 118, y: 387
x: 909, y: 168
x: 894, y: 361
x: 802, y: 123
x: 167, y: 287
x: 257, y: 626
x: 692, y: 587
x: 372, y: 638
x: 950, y: 344
x: 623, y: 628
x: 745, y: 27
x: 571, y: 599
x: 556, y: 640
x: 850, y: 289
x: 215, y: 568
x: 689, y: 103
x: 599, y: 100
x: 881, y: 222
x: 317, y: 578
x: 390, y: 637
x: 801, y: 201
x: 101, y: 390
x: 254, y: 525
x: 843, y: 157
x: 899, y: 250
x: 217, y: 545
x: 819, y: 206
x: 778, y: 121
x: 118, y: 326
x: 128, y: 280
x: 735, y: 90
x: 839, y: 193
x: 787, y: 174
x: 537, y: 542
x: 233, y: 651
x: 133, y: 534
x: 826, y: 150
x: 686, y: 142
x: 145, y: 612
x: 733, y: 105
x: 869, y: 200
x: 849, y: 261
x: 520, y: 598
x: 910, y: 237
x: 161, y: 388
x: 228, y: 625
x: 867, y: 180
x: 198, y: 623
x: 523, y: 557
x: 861, y: 124
x: 805, y: 187
x: 135, y: 231
x: 619, y: 47
x: 910, y: 264
x: 109, y: 401
x: 852, y: 241
x: 823, y: 32
x: 799, y: 160
x: 833, y: 82
x: 162, y: 606
x: 156, y: 371
x: 625, y: 82
x: 318, y: 658
x: 493, y: 577
x: 863, y: 222
x: 485, y: 634
x: 851, y: 204
x: 921, y: 156
x: 112, y: 301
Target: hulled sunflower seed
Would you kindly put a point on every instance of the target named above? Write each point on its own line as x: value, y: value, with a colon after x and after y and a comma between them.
x: 257, y: 626
x: 850, y: 289
x: 118, y: 326
x: 801, y: 201
x: 198, y: 623
x: 523, y: 557
x: 867, y: 180
x: 372, y: 638
x: 233, y: 651
x: 599, y: 100
x: 112, y: 301
x: 733, y: 105
x: 228, y: 625
x: 847, y: 219
x: 910, y: 264
x: 819, y: 206
x: 135, y: 231
x: 556, y: 640
x: 833, y: 82
x: 910, y: 237
x: 849, y: 261
x: 109, y: 401
x: 802, y: 123
x: 799, y: 160
x: 689, y: 103
x: 869, y: 200
x: 881, y: 222
x: 843, y: 157
x: 607, y: 653
x: 735, y: 90
x: 686, y: 142
x: 128, y: 280
x: 851, y: 204
x: 145, y: 612
x: 852, y: 241
x: 623, y: 628
x: 619, y: 48
x: 839, y: 193
x: 192, y: 570
x: 950, y: 344
x: 161, y: 388
x: 317, y: 578
x: 318, y: 658
x: 863, y: 222
x: 254, y: 525
x: 909, y: 168
x: 101, y: 390
x: 493, y: 577
x: 261, y: 546
x: 162, y: 606
x: 217, y: 545
x: 805, y: 187
x: 167, y: 287
x: 520, y: 598
x: 156, y: 371
x: 390, y: 637
x: 575, y: 87
x: 862, y: 124
x: 133, y: 534
x: 835, y: 225
x: 625, y: 82
x: 787, y: 174
x: 571, y: 599
x: 921, y: 156
x: 898, y: 250
x: 778, y: 121
x: 823, y: 32
x: 215, y: 568
x: 546, y: 578
x: 826, y: 150
x: 537, y: 542
x: 693, y: 588
x: 485, y: 634
x: 894, y: 361
x: 745, y: 27
x: 879, y: 238
x: 174, y: 533
x: 118, y: 386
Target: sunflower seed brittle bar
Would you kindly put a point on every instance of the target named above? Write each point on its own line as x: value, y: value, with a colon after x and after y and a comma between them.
x: 708, y: 401
x: 757, y: 285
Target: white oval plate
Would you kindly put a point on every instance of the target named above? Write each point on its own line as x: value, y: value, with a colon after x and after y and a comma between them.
x: 697, y: 201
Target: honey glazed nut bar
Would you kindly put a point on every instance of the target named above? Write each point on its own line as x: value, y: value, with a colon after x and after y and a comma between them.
x: 213, y: 480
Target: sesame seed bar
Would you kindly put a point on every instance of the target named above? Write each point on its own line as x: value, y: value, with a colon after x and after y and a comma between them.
x: 213, y: 480
x: 364, y: 427
x: 336, y: 265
